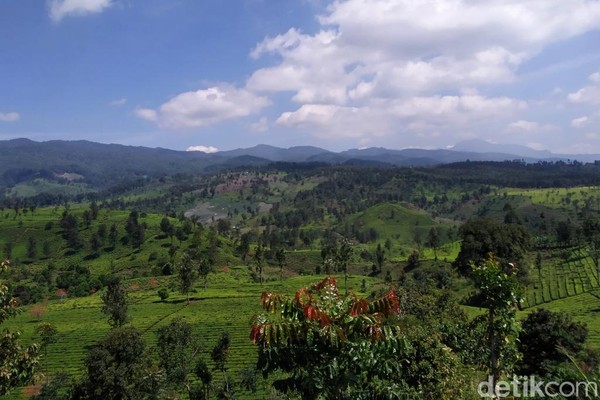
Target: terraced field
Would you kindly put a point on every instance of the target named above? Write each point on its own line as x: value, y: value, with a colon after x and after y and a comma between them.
x: 584, y: 307
x: 226, y: 305
x: 563, y: 275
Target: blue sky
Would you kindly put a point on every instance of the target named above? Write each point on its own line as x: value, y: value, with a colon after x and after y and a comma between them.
x: 216, y: 74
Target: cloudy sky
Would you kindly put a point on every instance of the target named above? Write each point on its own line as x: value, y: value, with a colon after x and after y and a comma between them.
x: 223, y: 74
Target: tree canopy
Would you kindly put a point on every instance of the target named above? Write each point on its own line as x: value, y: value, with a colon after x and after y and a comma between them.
x: 484, y: 236
x: 18, y: 363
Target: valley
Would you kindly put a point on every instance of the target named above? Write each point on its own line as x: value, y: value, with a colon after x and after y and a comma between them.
x: 280, y: 227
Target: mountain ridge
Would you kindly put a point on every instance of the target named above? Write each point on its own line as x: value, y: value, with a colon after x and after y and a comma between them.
x: 103, y: 164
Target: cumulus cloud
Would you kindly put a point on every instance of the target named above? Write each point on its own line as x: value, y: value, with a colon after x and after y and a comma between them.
x: 205, y: 107
x: 376, y: 67
x: 58, y: 9
x: 580, y: 122
x: 588, y: 94
x: 146, y: 113
x: 203, y: 149
x: 9, y: 117
x: 432, y: 115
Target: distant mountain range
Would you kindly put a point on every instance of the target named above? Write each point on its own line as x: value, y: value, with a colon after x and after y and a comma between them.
x: 103, y: 165
x: 474, y: 150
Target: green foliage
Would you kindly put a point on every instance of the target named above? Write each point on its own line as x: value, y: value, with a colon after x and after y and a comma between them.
x: 187, y: 272
x: 135, y: 230
x: 319, y: 338
x: 545, y: 340
x: 379, y: 257
x: 58, y: 388
x: 116, y: 368
x: 291, y: 212
x: 220, y: 353
x: 500, y: 292
x: 205, y: 376
x: 47, y: 333
x: 259, y: 260
x: 484, y: 236
x: 116, y: 303
x: 204, y: 268
x: 163, y: 294
x: 18, y: 364
x: 176, y: 350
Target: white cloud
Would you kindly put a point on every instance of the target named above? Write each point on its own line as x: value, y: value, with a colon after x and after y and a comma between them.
x: 417, y: 45
x: 9, y: 117
x: 205, y: 107
x: 429, y: 116
x: 589, y: 94
x: 146, y: 113
x: 203, y: 149
x: 262, y: 125
x: 118, y: 102
x: 377, y: 67
x: 58, y: 9
x: 530, y: 126
x: 579, y: 122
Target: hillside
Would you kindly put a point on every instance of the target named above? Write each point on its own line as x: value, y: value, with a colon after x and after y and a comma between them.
x: 281, y: 227
x: 96, y: 166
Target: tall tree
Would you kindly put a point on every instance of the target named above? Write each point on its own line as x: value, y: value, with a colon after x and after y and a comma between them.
x: 500, y: 292
x: 113, y: 235
x: 280, y: 257
x: 95, y: 243
x: 434, y: 241
x: 94, y: 209
x: 204, y: 268
x: 220, y: 356
x: 379, y: 257
x: 176, y: 350
x: 244, y: 247
x: 259, y: 260
x: 47, y: 333
x: 18, y: 364
x: 483, y: 236
x: 70, y: 228
x: 116, y: 368
x: 31, y: 248
x: 328, y: 345
x: 204, y: 375
x: 187, y: 272
x: 166, y: 227
x: 116, y: 303
x: 134, y: 229
x: 544, y: 337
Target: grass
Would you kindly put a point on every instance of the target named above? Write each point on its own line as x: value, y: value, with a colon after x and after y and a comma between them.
x: 226, y: 305
x: 394, y: 221
x: 559, y: 197
x: 564, y: 273
x: 38, y: 186
x: 584, y: 307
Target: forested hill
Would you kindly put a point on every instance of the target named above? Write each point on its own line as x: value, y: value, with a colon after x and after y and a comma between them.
x: 99, y: 165
x: 96, y: 166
